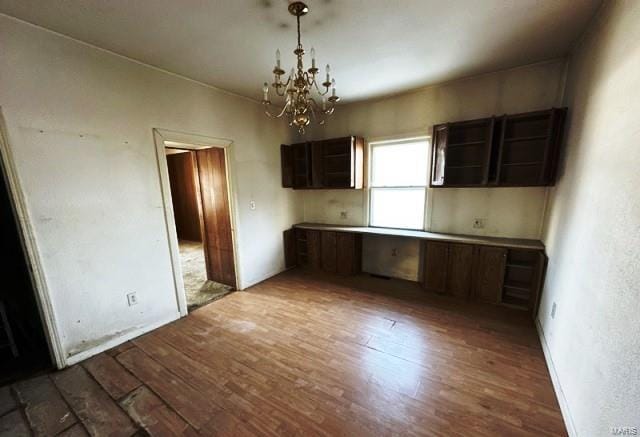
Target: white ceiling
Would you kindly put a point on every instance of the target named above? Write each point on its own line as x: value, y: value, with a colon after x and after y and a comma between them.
x: 375, y: 47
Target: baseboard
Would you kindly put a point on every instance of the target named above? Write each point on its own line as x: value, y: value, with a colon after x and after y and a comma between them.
x: 564, y: 406
x: 113, y: 342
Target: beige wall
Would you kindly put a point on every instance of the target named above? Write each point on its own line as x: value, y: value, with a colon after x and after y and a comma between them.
x: 80, y: 126
x: 592, y: 232
x: 508, y: 212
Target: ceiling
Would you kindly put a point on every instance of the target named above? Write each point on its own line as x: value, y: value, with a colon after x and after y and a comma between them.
x: 375, y: 47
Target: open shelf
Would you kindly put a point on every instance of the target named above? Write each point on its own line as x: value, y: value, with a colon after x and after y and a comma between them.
x: 467, y: 143
x: 527, y: 138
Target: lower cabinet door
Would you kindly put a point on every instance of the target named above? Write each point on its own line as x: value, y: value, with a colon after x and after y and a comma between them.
x: 349, y: 250
x: 489, y: 273
x: 329, y: 251
x: 290, y: 253
x: 459, y: 270
x: 435, y: 266
x: 314, y: 259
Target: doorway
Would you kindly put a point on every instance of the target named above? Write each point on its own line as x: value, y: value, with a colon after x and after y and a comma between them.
x: 23, y: 346
x: 202, y: 216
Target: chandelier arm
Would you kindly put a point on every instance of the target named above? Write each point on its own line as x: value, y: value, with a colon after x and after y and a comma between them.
x: 280, y: 114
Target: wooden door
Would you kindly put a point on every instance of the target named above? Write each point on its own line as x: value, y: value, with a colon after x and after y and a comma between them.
x: 459, y: 269
x: 290, y: 242
x: 329, y: 249
x: 184, y: 195
x: 490, y: 269
x: 314, y: 259
x: 435, y: 266
x: 218, y: 241
x: 349, y: 253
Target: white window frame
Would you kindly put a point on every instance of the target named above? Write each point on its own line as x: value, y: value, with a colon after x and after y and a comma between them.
x: 428, y: 201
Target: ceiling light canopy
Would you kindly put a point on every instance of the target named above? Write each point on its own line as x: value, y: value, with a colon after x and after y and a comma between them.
x: 300, y: 105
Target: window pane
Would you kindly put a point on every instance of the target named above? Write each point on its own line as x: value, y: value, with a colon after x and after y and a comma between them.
x: 397, y: 207
x: 399, y: 164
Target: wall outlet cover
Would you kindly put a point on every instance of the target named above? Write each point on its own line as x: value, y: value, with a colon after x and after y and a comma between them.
x: 252, y: 205
x: 553, y: 311
x: 479, y: 223
x: 132, y: 299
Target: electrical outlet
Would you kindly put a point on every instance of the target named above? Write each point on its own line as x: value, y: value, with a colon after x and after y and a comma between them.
x: 343, y: 214
x: 479, y: 223
x: 394, y: 252
x: 252, y: 205
x: 553, y: 311
x: 132, y: 299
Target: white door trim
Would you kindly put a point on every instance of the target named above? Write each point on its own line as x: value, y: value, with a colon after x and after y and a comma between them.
x: 27, y: 237
x: 195, y: 142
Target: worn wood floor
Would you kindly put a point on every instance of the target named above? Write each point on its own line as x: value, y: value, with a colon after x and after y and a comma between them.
x: 304, y: 355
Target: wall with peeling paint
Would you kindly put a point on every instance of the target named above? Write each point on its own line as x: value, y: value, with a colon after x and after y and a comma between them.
x: 80, y: 123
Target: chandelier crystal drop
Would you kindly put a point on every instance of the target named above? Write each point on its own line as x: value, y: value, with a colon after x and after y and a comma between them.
x: 299, y: 105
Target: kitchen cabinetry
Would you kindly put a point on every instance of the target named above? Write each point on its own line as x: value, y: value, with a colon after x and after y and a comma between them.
x: 509, y: 151
x: 329, y: 164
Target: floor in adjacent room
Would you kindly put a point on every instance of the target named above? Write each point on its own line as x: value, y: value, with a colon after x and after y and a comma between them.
x: 198, y: 288
x: 300, y: 354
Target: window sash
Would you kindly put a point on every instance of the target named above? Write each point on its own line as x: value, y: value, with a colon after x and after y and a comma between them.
x: 419, y: 226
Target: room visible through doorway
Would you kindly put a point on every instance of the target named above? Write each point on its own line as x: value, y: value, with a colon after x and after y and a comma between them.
x: 202, y: 217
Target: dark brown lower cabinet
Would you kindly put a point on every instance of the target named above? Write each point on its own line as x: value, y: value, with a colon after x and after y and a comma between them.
x: 498, y: 275
x: 328, y: 245
x: 349, y: 253
x: 289, y: 239
x: 448, y: 268
x: 489, y: 273
x: 332, y: 252
x: 460, y: 269
x: 435, y: 266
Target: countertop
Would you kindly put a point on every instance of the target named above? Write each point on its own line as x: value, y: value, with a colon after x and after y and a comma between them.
x: 517, y: 243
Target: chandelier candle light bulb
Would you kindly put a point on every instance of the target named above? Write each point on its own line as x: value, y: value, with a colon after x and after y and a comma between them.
x: 300, y: 104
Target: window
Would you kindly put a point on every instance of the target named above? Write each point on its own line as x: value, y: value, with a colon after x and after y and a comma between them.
x: 399, y: 173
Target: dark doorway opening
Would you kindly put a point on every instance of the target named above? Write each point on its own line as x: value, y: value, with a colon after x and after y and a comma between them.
x: 203, y: 223
x: 23, y: 346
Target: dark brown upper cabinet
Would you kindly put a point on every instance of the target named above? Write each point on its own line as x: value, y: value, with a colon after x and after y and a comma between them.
x: 328, y: 164
x: 462, y: 153
x: 509, y: 151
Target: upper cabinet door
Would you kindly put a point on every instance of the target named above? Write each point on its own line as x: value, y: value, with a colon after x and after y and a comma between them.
x: 529, y: 147
x: 301, y: 165
x: 438, y: 155
x: 340, y: 162
x: 467, y: 153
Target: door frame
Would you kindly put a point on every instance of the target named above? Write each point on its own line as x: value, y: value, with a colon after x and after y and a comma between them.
x: 28, y: 241
x: 166, y: 138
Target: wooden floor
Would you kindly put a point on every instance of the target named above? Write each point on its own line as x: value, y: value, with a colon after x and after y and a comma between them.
x: 303, y: 355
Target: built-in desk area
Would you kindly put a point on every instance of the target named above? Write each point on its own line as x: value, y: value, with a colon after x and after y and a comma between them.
x: 504, y: 271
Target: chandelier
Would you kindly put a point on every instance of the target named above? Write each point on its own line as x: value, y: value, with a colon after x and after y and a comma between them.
x: 299, y: 104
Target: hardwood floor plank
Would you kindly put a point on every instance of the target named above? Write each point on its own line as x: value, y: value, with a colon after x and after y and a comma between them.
x: 110, y: 374
x: 153, y: 415
x: 76, y: 430
x: 180, y: 396
x: 7, y: 401
x: 47, y: 412
x: 93, y: 406
x: 13, y: 425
